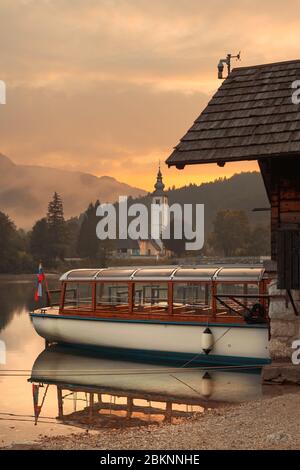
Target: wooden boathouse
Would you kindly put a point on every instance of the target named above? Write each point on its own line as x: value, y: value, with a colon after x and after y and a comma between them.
x: 252, y: 117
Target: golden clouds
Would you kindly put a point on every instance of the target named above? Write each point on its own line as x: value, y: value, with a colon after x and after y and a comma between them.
x: 109, y: 86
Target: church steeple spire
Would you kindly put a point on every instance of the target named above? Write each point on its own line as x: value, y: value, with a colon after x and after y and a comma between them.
x: 159, y: 185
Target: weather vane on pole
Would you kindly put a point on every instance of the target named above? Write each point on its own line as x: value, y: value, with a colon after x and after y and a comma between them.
x: 227, y: 61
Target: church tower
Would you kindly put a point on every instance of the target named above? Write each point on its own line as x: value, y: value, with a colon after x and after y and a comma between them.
x: 160, y: 197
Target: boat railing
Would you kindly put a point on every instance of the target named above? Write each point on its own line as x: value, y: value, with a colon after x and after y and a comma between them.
x: 239, y: 303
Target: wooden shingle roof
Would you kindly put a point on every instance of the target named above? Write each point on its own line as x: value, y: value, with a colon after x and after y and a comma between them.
x: 251, y: 116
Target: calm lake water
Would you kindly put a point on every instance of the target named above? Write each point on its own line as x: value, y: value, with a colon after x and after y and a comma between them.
x: 100, y: 391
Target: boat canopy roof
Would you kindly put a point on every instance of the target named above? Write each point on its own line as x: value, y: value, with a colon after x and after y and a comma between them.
x: 168, y: 273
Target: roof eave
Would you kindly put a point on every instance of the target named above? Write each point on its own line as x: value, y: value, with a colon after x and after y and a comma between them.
x: 180, y: 163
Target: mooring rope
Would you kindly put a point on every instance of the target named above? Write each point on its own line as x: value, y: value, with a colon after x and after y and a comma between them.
x: 101, y: 372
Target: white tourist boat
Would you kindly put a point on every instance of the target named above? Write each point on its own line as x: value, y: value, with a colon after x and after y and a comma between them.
x: 214, y: 315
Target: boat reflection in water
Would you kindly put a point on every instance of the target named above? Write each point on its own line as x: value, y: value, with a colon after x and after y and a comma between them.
x: 106, y: 392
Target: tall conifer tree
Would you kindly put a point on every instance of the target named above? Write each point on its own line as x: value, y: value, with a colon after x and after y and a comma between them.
x: 57, y: 230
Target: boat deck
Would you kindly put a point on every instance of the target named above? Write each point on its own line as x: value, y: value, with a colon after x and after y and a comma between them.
x: 158, y: 314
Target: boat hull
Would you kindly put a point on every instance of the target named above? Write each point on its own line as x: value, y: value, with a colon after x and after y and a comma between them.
x: 233, y: 344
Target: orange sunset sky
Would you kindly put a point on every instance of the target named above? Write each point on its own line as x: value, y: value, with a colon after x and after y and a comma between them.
x: 109, y: 86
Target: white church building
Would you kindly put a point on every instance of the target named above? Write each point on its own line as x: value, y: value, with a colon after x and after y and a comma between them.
x: 150, y: 247
x: 155, y: 247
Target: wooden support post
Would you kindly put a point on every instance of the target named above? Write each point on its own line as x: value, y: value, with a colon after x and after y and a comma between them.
x: 262, y: 288
x: 168, y: 412
x: 75, y: 401
x: 130, y: 296
x: 129, y: 407
x: 91, y: 407
x: 245, y: 292
x: 206, y: 299
x: 60, y: 404
x: 170, y: 297
x: 62, y: 296
x: 94, y: 296
x: 214, y: 300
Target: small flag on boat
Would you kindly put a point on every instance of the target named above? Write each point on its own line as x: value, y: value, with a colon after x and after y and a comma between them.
x: 39, y: 285
x: 36, y: 407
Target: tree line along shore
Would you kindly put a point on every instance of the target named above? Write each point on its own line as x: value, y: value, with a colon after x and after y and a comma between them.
x: 59, y: 242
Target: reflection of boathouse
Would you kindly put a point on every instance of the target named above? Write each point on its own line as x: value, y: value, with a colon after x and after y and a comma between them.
x: 101, y: 408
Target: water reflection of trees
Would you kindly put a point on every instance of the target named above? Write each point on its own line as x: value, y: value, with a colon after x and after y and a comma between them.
x: 15, y: 297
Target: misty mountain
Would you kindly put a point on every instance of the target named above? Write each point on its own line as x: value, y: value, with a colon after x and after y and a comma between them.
x: 25, y: 190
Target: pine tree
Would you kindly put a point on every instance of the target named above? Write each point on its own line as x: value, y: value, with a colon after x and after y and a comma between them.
x: 88, y: 243
x: 57, y: 230
x: 39, y: 241
x: 8, y: 244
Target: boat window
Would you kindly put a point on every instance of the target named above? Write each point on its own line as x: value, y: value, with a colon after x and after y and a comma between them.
x: 114, y: 273
x: 156, y: 272
x: 240, y: 274
x: 191, y: 297
x: 81, y: 274
x: 236, y: 298
x: 78, y: 296
x: 204, y: 273
x: 112, y: 296
x: 151, y: 296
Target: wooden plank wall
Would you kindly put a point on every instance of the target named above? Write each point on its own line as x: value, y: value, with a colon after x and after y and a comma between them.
x: 282, y: 180
x: 288, y: 259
